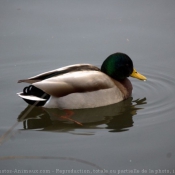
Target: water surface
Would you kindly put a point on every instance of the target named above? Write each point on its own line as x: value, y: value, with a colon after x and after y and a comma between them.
x: 135, y: 136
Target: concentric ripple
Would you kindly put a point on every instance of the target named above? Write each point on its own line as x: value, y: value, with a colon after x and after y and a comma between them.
x: 158, y: 90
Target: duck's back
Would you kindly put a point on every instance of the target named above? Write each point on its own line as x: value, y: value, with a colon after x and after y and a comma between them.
x: 60, y: 71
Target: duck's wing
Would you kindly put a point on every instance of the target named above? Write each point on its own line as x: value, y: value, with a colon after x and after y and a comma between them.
x: 75, y: 81
x: 58, y: 72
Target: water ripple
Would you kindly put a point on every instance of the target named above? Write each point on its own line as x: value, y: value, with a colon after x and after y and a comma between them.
x: 159, y: 91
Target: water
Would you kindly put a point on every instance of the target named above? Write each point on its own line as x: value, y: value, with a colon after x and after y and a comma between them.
x: 131, y: 137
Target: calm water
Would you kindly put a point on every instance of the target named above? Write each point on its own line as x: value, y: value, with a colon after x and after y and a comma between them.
x: 135, y: 136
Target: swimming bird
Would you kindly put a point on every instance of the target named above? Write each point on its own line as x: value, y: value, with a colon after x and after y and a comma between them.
x: 82, y: 85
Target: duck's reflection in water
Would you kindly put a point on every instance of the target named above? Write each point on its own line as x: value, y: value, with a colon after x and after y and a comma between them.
x: 116, y: 118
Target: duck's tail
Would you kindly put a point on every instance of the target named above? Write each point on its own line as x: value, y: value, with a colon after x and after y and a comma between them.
x: 34, y: 96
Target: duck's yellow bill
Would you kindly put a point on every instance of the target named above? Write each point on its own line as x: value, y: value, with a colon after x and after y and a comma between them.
x: 137, y: 75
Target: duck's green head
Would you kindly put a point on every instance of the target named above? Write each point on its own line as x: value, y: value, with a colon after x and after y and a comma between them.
x: 119, y: 66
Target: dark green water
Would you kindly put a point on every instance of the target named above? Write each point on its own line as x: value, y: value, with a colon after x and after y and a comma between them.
x: 132, y: 137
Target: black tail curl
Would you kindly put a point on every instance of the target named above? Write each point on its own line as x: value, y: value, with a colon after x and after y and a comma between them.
x: 32, y: 90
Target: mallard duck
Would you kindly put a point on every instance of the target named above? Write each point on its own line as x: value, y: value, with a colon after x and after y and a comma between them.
x: 82, y: 85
